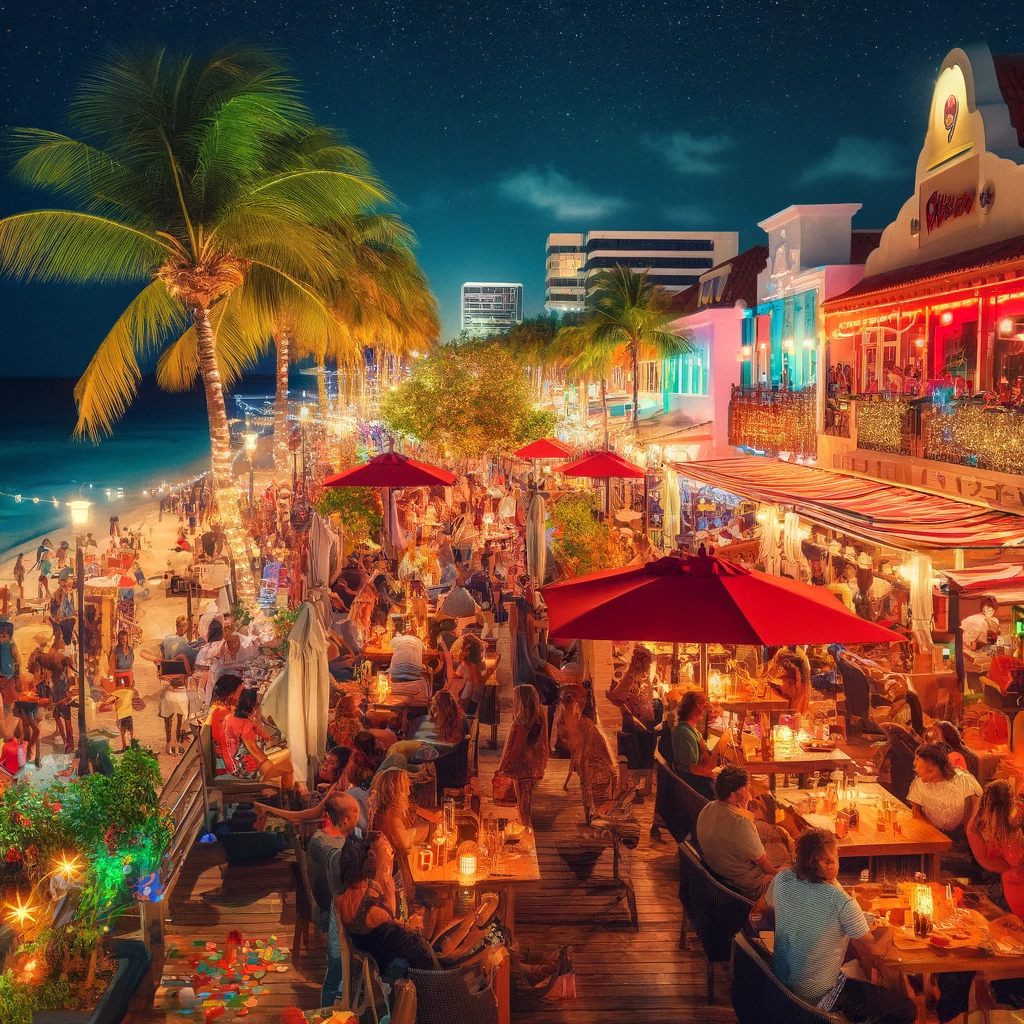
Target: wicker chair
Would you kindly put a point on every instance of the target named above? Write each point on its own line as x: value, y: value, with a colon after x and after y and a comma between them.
x: 443, y: 998
x: 758, y: 997
x: 676, y: 803
x: 715, y: 911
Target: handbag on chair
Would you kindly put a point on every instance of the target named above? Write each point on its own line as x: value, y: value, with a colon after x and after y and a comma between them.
x: 503, y: 790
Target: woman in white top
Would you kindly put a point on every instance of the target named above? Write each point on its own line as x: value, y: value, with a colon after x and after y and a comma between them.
x: 941, y: 794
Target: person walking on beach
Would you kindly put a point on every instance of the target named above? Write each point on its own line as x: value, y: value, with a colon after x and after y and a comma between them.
x: 19, y: 575
x: 124, y: 701
x: 44, y: 560
x: 10, y: 670
x: 64, y: 689
x: 122, y: 660
x: 62, y: 554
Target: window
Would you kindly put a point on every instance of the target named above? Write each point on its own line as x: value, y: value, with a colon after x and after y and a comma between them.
x: 687, y: 374
x: 649, y: 375
x: 564, y: 282
x: 651, y: 244
x: 552, y: 249
x: 660, y: 262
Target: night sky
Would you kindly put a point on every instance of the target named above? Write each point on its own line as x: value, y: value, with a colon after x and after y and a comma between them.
x: 496, y: 123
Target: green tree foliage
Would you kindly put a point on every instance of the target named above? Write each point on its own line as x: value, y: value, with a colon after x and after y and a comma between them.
x: 582, y: 544
x: 466, y: 400
x: 359, y: 509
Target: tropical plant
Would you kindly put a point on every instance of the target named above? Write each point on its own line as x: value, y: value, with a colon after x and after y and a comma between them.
x: 358, y: 508
x: 467, y: 399
x: 626, y: 319
x: 581, y: 543
x: 209, y: 184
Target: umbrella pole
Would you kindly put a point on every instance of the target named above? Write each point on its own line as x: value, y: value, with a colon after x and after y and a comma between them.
x: 675, y: 665
x: 703, y: 667
x: 607, y: 498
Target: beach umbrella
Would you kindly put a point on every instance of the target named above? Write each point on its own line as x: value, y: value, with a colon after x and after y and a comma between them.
x: 297, y: 700
x: 546, y: 448
x: 536, y: 537
x: 602, y: 465
x: 670, y: 508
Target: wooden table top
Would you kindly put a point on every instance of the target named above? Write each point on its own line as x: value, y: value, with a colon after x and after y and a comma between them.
x: 766, y: 703
x: 801, y: 761
x: 917, y: 836
x: 380, y: 653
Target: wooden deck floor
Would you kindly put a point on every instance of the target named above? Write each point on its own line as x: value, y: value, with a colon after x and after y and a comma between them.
x: 622, y: 974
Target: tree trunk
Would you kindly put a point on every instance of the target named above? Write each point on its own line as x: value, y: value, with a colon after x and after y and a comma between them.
x: 321, y: 388
x: 220, y: 449
x: 604, y: 410
x: 634, y: 358
x: 282, y: 455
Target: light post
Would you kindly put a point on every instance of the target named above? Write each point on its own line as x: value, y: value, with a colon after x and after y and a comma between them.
x: 251, y: 438
x: 303, y: 420
x: 79, y: 517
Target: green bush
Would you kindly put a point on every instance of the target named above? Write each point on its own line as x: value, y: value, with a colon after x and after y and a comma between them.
x: 581, y: 544
x: 358, y: 508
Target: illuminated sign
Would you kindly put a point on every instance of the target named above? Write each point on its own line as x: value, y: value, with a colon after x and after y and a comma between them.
x: 949, y: 114
x: 944, y: 206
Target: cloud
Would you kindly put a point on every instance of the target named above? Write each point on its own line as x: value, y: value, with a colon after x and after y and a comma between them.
x: 553, y: 192
x: 690, y: 215
x: 691, y: 154
x: 857, y: 157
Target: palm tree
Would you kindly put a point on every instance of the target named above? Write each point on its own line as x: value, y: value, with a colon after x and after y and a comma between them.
x: 207, y: 184
x: 627, y: 315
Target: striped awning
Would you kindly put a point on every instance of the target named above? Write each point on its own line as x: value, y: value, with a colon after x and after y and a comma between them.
x: 869, y: 509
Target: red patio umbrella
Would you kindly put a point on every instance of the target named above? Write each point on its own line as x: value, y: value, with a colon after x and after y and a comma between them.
x: 391, y: 470
x: 603, y: 465
x: 546, y: 448
x: 702, y: 599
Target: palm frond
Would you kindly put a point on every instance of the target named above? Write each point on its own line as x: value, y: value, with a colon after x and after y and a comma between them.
x: 76, y: 248
x: 110, y: 380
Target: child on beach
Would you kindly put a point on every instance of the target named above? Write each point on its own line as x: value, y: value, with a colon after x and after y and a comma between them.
x: 124, y: 697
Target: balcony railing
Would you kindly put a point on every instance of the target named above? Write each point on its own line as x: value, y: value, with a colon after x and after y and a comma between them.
x: 889, y: 423
x: 770, y: 421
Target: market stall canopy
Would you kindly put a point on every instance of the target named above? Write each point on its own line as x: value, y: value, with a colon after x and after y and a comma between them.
x: 601, y: 466
x: 874, y: 511
x: 702, y: 599
x: 1003, y: 582
x: 546, y: 448
x: 391, y: 470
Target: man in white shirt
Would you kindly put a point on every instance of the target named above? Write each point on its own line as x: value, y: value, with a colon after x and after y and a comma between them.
x: 406, y: 657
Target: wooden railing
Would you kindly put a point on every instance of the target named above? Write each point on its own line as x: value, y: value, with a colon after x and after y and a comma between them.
x: 185, y: 799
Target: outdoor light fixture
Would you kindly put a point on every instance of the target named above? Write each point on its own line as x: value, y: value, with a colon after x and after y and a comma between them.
x: 788, y: 343
x: 747, y: 351
x: 250, y: 437
x: 946, y: 319
x: 919, y: 342
x: 304, y: 413
x: 1006, y: 326
x: 79, y: 512
x: 808, y: 343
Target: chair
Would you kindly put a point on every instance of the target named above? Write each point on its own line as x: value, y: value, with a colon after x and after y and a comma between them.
x: 715, y: 911
x: 225, y: 788
x: 443, y: 997
x: 758, y: 997
x: 301, y: 833
x: 676, y: 803
x: 452, y: 767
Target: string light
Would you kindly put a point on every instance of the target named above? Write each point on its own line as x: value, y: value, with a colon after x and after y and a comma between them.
x: 22, y: 914
x: 112, y: 493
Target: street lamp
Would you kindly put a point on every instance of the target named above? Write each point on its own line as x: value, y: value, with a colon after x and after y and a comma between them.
x: 251, y: 438
x: 304, y: 419
x: 79, y: 517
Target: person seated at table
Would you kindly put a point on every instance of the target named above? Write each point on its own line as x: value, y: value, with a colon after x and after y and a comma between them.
x: 727, y: 834
x: 995, y: 837
x: 894, y: 760
x: 815, y: 920
x: 694, y: 763
x: 447, y: 722
x: 393, y: 814
x: 406, y: 663
x: 789, y: 675
x: 244, y: 756
x: 367, y: 911
x: 365, y: 760
x: 347, y: 721
x: 982, y: 628
x: 941, y: 794
x: 960, y: 755
x: 225, y: 697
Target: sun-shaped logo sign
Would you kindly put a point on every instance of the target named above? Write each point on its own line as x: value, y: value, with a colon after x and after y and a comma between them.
x: 949, y: 114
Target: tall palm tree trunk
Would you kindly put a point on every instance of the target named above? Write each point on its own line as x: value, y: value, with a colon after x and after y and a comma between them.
x: 604, y: 409
x: 321, y: 387
x: 220, y: 448
x: 282, y: 459
x: 634, y: 358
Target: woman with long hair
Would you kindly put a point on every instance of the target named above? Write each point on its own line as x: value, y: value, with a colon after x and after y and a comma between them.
x: 244, y: 756
x: 392, y: 813
x: 960, y: 755
x: 997, y: 842
x: 365, y: 760
x: 526, y: 748
x: 448, y: 717
x: 941, y: 794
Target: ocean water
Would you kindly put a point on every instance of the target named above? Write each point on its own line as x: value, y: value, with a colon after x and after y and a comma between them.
x: 162, y: 438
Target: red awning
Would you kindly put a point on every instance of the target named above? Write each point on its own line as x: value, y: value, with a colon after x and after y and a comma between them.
x: 601, y: 466
x: 874, y: 511
x: 546, y: 448
x: 391, y: 470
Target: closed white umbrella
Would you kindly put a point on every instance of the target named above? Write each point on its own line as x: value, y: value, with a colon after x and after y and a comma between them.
x: 298, y: 698
x: 536, y: 537
x: 670, y: 508
x: 322, y: 543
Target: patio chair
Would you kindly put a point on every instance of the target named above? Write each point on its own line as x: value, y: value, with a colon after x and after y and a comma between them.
x: 676, y: 803
x: 443, y: 997
x: 758, y: 997
x: 225, y: 788
x: 716, y: 912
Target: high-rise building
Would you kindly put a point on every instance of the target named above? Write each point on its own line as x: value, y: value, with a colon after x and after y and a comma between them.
x: 490, y: 307
x: 564, y: 284
x: 673, y: 259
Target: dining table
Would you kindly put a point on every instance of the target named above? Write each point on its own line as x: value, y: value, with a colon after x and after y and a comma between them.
x: 798, y: 761
x: 902, y: 835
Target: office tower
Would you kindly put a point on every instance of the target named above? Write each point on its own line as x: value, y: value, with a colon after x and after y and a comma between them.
x: 490, y: 307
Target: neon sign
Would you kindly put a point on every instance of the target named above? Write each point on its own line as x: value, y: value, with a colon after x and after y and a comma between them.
x: 945, y: 206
